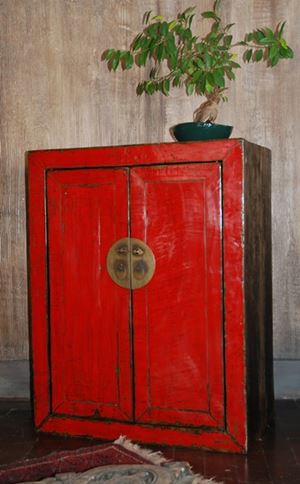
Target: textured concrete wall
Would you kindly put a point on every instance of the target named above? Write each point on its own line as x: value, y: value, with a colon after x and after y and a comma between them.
x: 55, y: 93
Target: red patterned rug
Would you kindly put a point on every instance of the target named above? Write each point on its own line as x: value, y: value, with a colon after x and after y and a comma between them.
x: 120, y: 461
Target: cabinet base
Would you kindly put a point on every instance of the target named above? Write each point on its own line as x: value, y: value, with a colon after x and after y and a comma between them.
x: 219, y: 440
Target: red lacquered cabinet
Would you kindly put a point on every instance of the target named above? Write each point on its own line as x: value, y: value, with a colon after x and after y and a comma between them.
x: 150, y: 292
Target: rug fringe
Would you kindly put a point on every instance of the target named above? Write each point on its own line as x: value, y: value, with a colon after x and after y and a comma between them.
x: 202, y: 480
x: 158, y: 459
x: 154, y: 457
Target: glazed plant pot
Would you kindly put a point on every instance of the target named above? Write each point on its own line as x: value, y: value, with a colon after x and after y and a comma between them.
x: 200, y: 131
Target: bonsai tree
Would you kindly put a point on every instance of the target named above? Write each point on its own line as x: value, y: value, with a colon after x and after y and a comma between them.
x: 203, y: 66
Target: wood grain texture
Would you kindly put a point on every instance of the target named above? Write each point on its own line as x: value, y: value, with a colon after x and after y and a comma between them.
x: 169, y: 333
x: 55, y: 93
x: 258, y: 285
x: 180, y: 381
x: 86, y: 211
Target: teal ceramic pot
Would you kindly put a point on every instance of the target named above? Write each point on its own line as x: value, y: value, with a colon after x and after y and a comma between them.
x: 200, y: 131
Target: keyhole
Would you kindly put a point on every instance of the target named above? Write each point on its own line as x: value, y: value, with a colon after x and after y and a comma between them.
x: 120, y: 269
x: 137, y: 251
x: 140, y: 268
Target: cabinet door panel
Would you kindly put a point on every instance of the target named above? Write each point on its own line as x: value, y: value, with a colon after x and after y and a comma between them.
x: 178, y: 328
x: 89, y: 338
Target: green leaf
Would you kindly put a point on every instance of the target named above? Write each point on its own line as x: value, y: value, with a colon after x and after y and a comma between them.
x: 248, y: 55
x: 146, y: 16
x: 164, y: 29
x: 235, y: 65
x: 230, y: 74
x: 136, y: 44
x: 172, y: 25
x: 187, y: 34
x: 166, y: 87
x: 185, y: 65
x: 282, y: 53
x: 208, y: 60
x: 202, y: 84
x: 270, y: 34
x: 142, y: 58
x: 228, y: 27
x: 199, y: 62
x: 144, y: 43
x: 274, y: 60
x: 258, y: 35
x: 208, y: 87
x: 227, y: 40
x: 199, y: 87
x: 190, y: 88
x: 215, y: 28
x: 191, y: 20
x: 283, y: 43
x: 116, y: 60
x: 265, y: 41
x: 290, y: 53
x: 177, y: 81
x: 216, y: 5
x: 273, y: 52
x: 170, y: 45
x: 280, y: 33
x: 151, y: 47
x: 259, y: 55
x: 218, y: 77
x: 160, y: 52
x: 210, y: 14
x: 158, y: 17
x: 188, y: 11
x: 109, y: 54
x: 196, y: 75
x: 210, y: 78
x: 173, y: 61
x: 286, y: 53
x: 140, y: 88
x: 128, y: 60
x: 153, y: 72
x: 219, y: 37
x: 200, y: 47
x: 152, y: 88
x: 149, y: 87
x: 152, y: 30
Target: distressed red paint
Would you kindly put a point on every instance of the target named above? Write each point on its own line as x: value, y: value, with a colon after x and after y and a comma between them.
x: 165, y: 364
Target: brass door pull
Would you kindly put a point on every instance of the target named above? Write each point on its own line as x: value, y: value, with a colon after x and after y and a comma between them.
x: 122, y: 249
x: 137, y: 250
x: 130, y: 263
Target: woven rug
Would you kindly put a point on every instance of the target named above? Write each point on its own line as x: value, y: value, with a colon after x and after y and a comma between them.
x: 120, y: 462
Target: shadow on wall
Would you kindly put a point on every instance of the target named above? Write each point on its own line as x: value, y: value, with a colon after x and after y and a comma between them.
x: 14, y: 379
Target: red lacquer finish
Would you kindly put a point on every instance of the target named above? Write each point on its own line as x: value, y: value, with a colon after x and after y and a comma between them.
x: 176, y: 210
x: 89, y: 339
x: 164, y: 363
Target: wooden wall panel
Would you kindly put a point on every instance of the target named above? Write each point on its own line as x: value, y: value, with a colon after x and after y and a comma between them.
x: 55, y: 93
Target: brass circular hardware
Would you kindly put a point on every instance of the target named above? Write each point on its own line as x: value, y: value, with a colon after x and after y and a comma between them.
x: 130, y: 263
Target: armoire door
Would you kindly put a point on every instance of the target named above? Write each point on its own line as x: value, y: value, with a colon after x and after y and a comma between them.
x: 178, y: 322
x: 90, y: 349
x: 174, y: 328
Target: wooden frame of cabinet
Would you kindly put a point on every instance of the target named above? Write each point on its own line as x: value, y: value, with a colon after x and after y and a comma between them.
x: 247, y: 289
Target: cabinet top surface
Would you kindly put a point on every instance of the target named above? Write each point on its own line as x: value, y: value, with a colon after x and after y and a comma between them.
x: 144, y: 154
x: 166, y: 144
